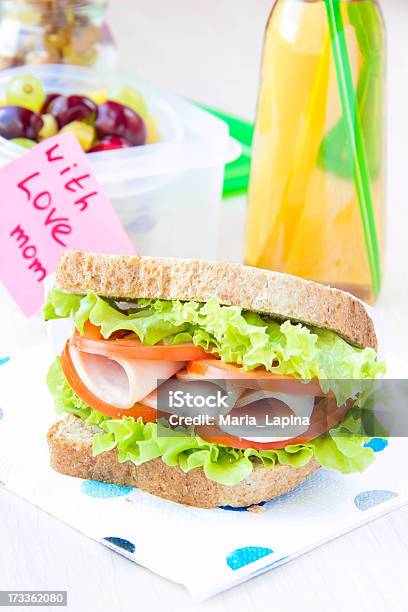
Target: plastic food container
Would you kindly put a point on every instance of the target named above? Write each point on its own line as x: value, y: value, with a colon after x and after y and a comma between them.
x: 166, y: 194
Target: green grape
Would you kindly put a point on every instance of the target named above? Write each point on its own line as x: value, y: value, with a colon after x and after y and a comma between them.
x: 25, y: 90
x: 49, y: 128
x: 24, y: 142
x: 131, y: 97
x: 85, y: 134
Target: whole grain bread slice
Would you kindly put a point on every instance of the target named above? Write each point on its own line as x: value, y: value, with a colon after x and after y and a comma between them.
x: 280, y: 295
x: 70, y: 443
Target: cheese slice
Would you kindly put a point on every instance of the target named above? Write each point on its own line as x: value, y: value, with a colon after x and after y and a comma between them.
x: 121, y: 382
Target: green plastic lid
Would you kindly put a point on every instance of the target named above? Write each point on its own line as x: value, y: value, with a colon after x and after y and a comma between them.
x: 236, y: 177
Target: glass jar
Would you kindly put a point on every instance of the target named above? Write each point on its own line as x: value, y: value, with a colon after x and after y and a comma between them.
x: 304, y: 216
x: 55, y: 32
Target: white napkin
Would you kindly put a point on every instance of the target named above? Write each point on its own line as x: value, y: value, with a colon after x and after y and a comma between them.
x: 206, y: 550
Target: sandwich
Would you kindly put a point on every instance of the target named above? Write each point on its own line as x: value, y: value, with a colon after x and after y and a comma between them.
x: 138, y: 323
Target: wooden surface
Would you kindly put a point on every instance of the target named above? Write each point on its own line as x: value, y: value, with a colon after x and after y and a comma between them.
x: 209, y: 50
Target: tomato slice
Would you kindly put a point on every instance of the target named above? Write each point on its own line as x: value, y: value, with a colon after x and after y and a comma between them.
x: 255, y: 379
x: 93, y: 332
x: 326, y: 415
x: 149, y: 415
x: 130, y: 347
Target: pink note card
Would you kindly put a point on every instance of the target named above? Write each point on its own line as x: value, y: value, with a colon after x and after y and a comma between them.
x: 50, y: 201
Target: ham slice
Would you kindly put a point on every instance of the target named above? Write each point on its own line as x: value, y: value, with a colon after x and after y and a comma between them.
x: 285, y: 405
x: 121, y: 382
x: 300, y: 405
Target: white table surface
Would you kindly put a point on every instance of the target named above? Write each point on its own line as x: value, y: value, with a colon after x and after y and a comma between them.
x: 209, y: 50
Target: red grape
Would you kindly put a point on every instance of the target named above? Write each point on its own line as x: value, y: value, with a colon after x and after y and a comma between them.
x: 67, y: 109
x: 109, y: 143
x: 114, y: 119
x: 18, y: 122
x: 49, y: 98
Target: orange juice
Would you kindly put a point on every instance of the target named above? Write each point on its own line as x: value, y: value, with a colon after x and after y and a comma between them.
x: 303, y: 213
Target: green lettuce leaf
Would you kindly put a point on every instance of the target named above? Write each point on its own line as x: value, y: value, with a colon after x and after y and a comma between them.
x: 340, y: 449
x: 237, y: 336
x: 65, y: 400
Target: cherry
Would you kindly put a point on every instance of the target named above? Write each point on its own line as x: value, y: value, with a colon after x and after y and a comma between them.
x: 114, y: 119
x: 67, y: 109
x: 18, y: 122
x: 108, y: 143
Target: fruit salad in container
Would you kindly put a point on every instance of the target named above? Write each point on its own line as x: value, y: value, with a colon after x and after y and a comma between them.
x: 101, y: 121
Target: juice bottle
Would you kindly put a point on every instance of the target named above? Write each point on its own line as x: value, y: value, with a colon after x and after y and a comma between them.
x: 303, y: 212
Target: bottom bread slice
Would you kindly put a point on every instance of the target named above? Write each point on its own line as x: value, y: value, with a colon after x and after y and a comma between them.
x: 70, y: 443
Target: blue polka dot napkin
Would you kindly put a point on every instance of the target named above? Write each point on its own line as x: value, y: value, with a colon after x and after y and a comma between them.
x: 206, y: 550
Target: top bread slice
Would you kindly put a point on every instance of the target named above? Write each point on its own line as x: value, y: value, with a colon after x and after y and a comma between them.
x: 279, y: 295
